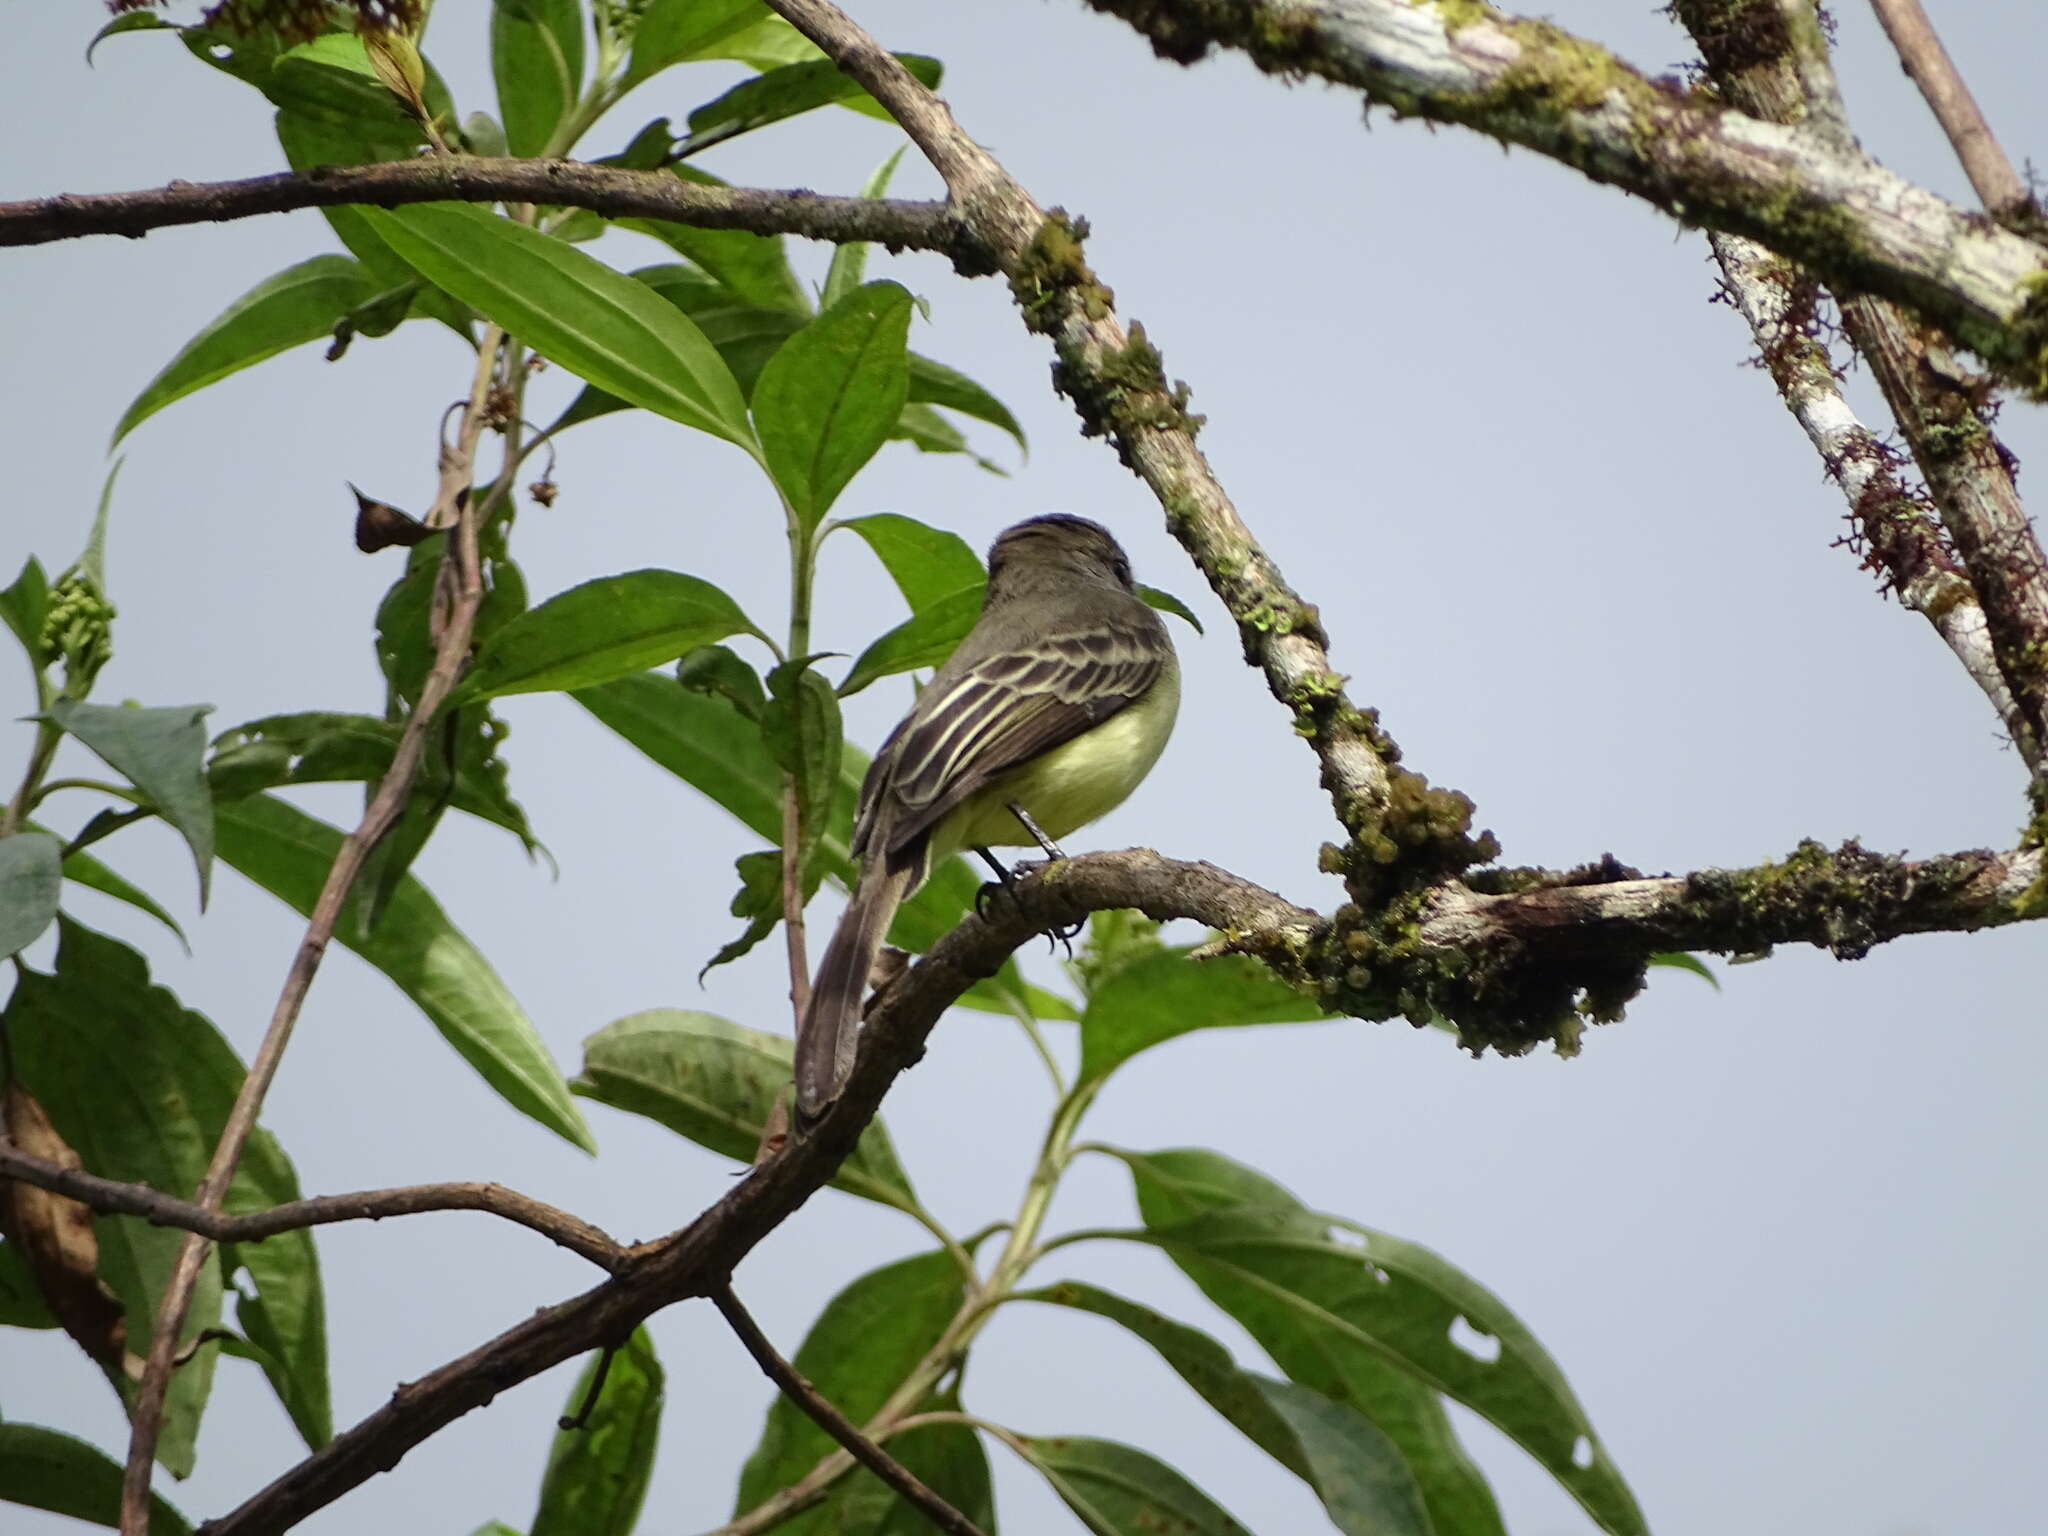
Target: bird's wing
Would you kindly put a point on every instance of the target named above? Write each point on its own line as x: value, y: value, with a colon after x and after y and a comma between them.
x: 1001, y: 713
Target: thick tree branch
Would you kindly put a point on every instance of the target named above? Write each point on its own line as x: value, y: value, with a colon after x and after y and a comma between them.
x: 162, y: 1210
x: 1802, y: 193
x: 1927, y: 61
x: 1846, y: 901
x: 942, y: 1515
x: 1769, y: 57
x: 604, y: 189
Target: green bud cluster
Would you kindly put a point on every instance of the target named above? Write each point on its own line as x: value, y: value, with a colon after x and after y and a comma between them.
x: 78, y: 628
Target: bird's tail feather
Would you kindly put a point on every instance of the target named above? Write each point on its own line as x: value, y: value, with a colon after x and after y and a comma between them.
x: 831, y: 1024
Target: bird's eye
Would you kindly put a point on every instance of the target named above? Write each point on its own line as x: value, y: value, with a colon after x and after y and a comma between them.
x: 1123, y: 571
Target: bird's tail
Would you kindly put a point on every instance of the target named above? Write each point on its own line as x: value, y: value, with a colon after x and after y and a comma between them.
x: 831, y: 1024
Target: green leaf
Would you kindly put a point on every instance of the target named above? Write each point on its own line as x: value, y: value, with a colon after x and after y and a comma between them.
x: 863, y: 1344
x: 140, y: 1088
x: 132, y: 21
x: 926, y: 563
x: 89, y: 872
x: 718, y: 670
x: 1358, y: 1473
x: 23, y: 608
x: 935, y: 384
x: 929, y: 432
x: 300, y: 304
x: 21, y: 1299
x: 1165, y: 993
x: 802, y: 728
x: 1683, y: 962
x: 759, y: 901
x: 31, y: 875
x: 1166, y: 602
x: 162, y: 752
x: 1117, y: 1490
x: 714, y: 1082
x: 597, y: 323
x: 597, y: 1473
x: 767, y: 44
x: 1349, y: 1311
x: 537, y: 63
x: 92, y: 560
x: 677, y: 31
x: 789, y: 91
x: 288, y: 853
x: 828, y: 399
x: 925, y: 639
x: 47, y: 1470
x: 753, y: 268
x: 602, y: 631
x: 946, y: 1458
x: 850, y: 260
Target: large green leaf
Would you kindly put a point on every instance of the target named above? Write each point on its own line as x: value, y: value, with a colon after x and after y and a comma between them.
x: 537, y: 64
x: 864, y: 1343
x: 935, y: 384
x: 714, y: 1081
x: 31, y: 876
x: 288, y: 853
x: 140, y: 1088
x: 597, y: 1473
x: 163, y: 753
x: 926, y: 563
x: 47, y: 1470
x: 599, y: 324
x: 1164, y: 994
x: 1357, y: 1472
x: 300, y: 304
x: 704, y: 741
x: 924, y: 639
x: 677, y: 31
x: 753, y: 268
x: 828, y: 399
x: 1117, y: 1490
x: 1344, y: 1309
x: 602, y: 631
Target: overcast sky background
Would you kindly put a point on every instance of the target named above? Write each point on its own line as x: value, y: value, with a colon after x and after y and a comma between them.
x: 1785, y: 1239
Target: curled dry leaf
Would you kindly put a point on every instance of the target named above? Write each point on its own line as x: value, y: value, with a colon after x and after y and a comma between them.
x: 55, y: 1236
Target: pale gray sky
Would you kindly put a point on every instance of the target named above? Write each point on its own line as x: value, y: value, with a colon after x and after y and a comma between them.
x: 1783, y: 1239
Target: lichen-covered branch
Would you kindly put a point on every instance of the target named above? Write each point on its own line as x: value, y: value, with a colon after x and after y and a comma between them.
x: 159, y: 1209
x: 1809, y: 195
x: 603, y: 189
x: 1403, y: 832
x: 1770, y: 58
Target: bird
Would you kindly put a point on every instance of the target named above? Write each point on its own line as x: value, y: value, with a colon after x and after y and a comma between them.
x: 1047, y: 715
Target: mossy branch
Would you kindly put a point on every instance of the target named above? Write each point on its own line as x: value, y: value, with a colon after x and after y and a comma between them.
x: 1805, y: 193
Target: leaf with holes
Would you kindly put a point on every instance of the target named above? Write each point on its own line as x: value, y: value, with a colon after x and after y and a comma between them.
x: 1345, y: 1310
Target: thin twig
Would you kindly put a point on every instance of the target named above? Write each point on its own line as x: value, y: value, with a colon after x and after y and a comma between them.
x: 161, y: 1210
x: 450, y: 655
x: 1927, y: 61
x: 828, y: 1418
x: 588, y: 1406
x: 478, y: 179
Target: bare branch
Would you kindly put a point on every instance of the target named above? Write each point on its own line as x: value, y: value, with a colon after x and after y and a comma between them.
x: 1927, y: 61
x: 162, y: 1210
x: 462, y: 587
x: 942, y: 1515
x: 604, y: 189
x: 1804, y: 192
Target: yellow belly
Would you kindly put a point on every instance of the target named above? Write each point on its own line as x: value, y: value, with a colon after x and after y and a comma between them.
x: 1075, y: 783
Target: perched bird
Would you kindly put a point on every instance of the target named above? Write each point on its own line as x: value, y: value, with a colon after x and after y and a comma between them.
x: 1053, y: 708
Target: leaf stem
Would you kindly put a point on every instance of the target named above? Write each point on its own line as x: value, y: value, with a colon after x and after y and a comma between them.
x: 48, y: 735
